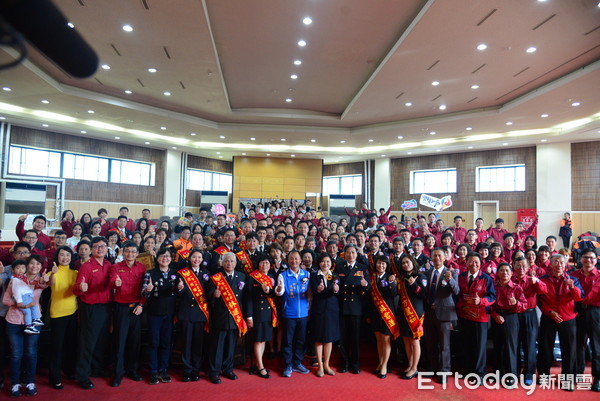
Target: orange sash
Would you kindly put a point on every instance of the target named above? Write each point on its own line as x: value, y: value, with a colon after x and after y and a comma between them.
x: 122, y: 237
x: 395, y: 269
x: 243, y: 245
x: 414, y: 322
x: 230, y: 302
x: 222, y: 250
x: 196, y: 288
x: 371, y: 263
x: 266, y: 280
x: 246, y: 262
x: 384, y: 310
x: 183, y: 253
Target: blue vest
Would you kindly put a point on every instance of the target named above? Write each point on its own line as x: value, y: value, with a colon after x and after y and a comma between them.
x: 295, y: 297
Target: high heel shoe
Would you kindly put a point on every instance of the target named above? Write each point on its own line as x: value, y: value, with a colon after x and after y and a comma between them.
x: 407, y: 377
x: 265, y: 375
x: 382, y: 375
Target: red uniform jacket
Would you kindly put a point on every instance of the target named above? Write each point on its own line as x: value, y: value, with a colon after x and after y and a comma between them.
x: 559, y: 297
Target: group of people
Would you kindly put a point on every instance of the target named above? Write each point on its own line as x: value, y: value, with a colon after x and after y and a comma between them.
x: 296, y: 283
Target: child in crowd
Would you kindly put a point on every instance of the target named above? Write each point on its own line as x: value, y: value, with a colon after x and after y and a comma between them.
x: 23, y: 296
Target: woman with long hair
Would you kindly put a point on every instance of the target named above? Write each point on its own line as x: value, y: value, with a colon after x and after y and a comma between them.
x: 412, y: 289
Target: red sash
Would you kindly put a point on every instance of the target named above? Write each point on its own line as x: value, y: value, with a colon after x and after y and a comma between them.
x: 395, y: 269
x: 266, y: 280
x: 222, y: 250
x: 122, y: 237
x: 194, y: 285
x: 183, y: 253
x: 414, y: 322
x: 371, y: 263
x: 246, y: 262
x: 230, y: 302
x: 243, y: 245
x: 384, y: 310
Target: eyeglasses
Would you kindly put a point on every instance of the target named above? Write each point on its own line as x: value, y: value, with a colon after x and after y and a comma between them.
x: 99, y: 247
x: 22, y: 253
x: 588, y: 257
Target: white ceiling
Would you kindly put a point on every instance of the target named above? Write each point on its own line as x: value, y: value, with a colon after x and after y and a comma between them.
x: 227, y: 65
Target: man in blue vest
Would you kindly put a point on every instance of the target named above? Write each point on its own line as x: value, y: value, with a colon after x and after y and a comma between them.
x: 292, y: 285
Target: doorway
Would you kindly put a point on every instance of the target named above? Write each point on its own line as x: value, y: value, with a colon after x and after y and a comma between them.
x: 487, y: 210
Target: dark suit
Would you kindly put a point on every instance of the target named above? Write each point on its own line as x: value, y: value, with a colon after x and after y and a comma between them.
x: 224, y: 331
x: 438, y: 318
x: 215, y: 258
x: 351, y: 306
x: 192, y: 320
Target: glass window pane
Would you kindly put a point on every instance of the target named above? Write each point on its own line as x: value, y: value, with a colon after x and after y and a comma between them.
x: 501, y: 178
x: 434, y: 181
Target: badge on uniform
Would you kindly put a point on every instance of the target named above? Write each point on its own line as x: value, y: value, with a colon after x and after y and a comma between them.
x: 424, y: 282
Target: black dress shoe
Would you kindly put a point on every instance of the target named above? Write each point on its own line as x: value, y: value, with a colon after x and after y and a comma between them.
x: 343, y: 369
x: 230, y: 375
x: 406, y: 377
x: 214, y: 379
x: 195, y: 377
x: 382, y: 376
x: 264, y: 373
x: 135, y: 376
x: 116, y: 381
x: 355, y: 371
x: 86, y: 385
x: 187, y: 378
x: 57, y: 386
x: 153, y: 379
x: 596, y: 386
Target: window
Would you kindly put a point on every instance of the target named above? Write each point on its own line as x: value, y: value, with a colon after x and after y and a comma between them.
x: 433, y: 181
x: 343, y: 185
x: 200, y: 180
x: 501, y: 178
x: 51, y: 163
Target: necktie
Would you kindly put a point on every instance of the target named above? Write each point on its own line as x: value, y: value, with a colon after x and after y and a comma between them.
x: 230, y: 279
x: 470, y: 280
x: 432, y: 288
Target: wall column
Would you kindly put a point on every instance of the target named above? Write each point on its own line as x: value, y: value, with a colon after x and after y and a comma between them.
x: 172, y: 183
x: 382, y: 184
x: 553, y: 180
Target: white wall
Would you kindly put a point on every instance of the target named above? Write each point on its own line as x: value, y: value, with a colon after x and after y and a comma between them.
x: 172, y: 183
x: 382, y: 184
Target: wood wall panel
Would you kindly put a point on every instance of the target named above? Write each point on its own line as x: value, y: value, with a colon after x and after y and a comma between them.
x: 205, y: 163
x: 585, y: 176
x: 466, y: 164
x: 343, y: 169
x: 80, y: 190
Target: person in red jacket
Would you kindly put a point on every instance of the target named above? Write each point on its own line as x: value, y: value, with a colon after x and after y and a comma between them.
x: 558, y: 315
x: 588, y: 316
x: 39, y: 224
x: 476, y: 294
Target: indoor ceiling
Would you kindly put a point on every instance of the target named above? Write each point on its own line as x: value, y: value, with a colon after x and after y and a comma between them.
x: 376, y: 78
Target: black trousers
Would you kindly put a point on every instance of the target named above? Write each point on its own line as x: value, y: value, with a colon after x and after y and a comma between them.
x: 63, y: 331
x: 350, y: 341
x: 127, y: 337
x: 566, y: 335
x: 93, y: 338
x: 474, y: 335
x: 3, y: 347
x: 528, y: 334
x: 588, y: 327
x: 222, y: 344
x: 193, y: 341
x: 437, y: 342
x: 506, y: 338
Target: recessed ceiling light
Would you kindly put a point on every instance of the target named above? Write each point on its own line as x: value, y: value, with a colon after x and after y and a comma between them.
x: 469, y: 147
x: 268, y: 154
x: 400, y: 137
x: 44, y: 125
x: 435, y: 83
x: 382, y: 155
x: 117, y: 137
x: 70, y: 25
x: 152, y: 69
x: 294, y: 76
x: 293, y: 155
x: 302, y: 43
x: 220, y: 157
x: 163, y: 128
x: 243, y: 154
x: 288, y: 100
x: 313, y: 140
x: 282, y: 139
x: 2, y: 118
x: 409, y: 153
x: 432, y: 133
x: 408, y: 104
x: 83, y: 132
x: 437, y: 150
x: 218, y: 153
x: 6, y: 89
x: 45, y: 101
x: 222, y: 136
x: 443, y: 107
x: 509, y: 123
x: 481, y: 46
x: 174, y: 147
x: 575, y: 104
x: 342, y: 141
x: 307, y: 21
x: 192, y: 133
x: 505, y: 143
x: 105, y: 67
x: 297, y: 62
x: 127, y: 28
x: 531, y: 49
x: 544, y: 140
x: 147, y: 143
x: 128, y: 92
x: 544, y: 115
x: 253, y: 139
x: 167, y: 93
x: 469, y: 128
x: 475, y: 86
x: 370, y: 140
x: 91, y: 111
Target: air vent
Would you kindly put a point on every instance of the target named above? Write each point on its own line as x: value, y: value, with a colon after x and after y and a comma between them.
x: 486, y: 17
x: 433, y: 65
x: 543, y: 22
x: 115, y: 49
x: 141, y: 83
x: 478, y: 68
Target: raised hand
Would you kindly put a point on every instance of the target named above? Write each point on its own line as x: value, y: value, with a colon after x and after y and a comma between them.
x: 512, y: 300
x: 411, y: 280
x: 118, y: 281
x: 570, y: 283
x: 54, y: 268
x: 23, y: 217
x: 321, y: 287
x: 150, y: 286
x: 83, y: 286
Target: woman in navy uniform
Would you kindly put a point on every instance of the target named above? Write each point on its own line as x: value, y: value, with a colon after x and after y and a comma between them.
x: 159, y: 287
x: 259, y: 313
x: 383, y: 283
x: 324, y: 312
x: 413, y: 293
x: 191, y: 314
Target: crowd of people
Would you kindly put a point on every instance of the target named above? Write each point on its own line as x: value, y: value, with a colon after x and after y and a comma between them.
x: 294, y: 283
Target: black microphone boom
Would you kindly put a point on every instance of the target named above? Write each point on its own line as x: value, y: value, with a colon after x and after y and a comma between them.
x: 45, y: 27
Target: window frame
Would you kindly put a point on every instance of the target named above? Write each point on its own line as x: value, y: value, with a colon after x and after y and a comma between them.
x: 503, y: 167
x: 340, y: 186
x: 213, y: 175
x: 412, y: 181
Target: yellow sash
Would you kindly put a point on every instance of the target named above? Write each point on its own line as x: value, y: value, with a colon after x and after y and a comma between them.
x: 246, y: 262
